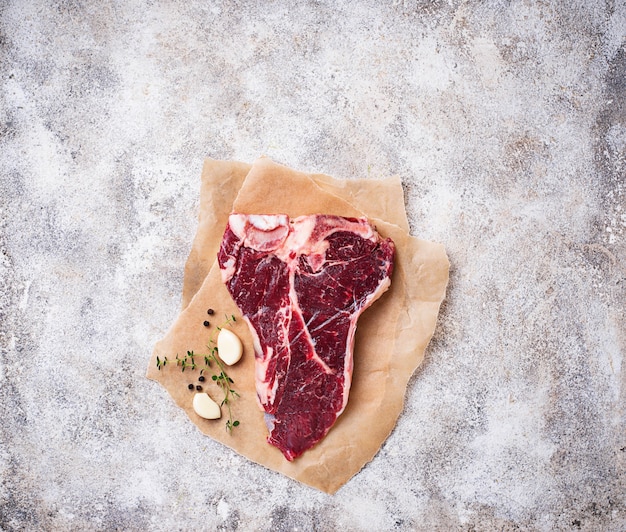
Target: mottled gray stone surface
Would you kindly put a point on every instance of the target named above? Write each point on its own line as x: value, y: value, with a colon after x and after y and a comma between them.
x: 507, y: 124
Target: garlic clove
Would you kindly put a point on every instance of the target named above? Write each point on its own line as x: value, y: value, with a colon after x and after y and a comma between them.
x: 206, y: 407
x: 229, y: 347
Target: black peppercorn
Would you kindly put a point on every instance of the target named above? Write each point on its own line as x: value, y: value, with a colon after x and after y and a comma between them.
x: 201, y: 378
x: 206, y: 324
x: 210, y: 312
x: 199, y: 388
x: 190, y: 386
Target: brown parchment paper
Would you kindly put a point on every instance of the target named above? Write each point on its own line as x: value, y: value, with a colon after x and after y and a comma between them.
x: 391, y: 336
x: 221, y: 182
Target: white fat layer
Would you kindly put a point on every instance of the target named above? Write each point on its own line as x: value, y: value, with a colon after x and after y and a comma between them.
x: 263, y: 232
x: 258, y: 353
x: 256, y: 343
x: 260, y: 376
x: 239, y: 223
x: 299, y: 240
x: 228, y: 269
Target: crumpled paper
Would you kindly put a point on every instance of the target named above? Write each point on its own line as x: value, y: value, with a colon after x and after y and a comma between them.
x: 391, y: 337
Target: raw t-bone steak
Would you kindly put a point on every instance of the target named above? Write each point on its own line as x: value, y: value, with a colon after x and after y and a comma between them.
x: 301, y: 284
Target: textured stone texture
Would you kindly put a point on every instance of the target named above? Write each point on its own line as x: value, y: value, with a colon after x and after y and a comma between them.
x: 507, y: 123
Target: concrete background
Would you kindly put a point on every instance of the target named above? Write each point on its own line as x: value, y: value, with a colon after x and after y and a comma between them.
x: 507, y: 124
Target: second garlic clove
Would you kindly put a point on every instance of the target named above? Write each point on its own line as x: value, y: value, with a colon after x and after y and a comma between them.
x: 206, y: 407
x: 229, y: 347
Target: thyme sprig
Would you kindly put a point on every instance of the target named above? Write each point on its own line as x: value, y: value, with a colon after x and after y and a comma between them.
x: 224, y: 382
x: 221, y: 379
